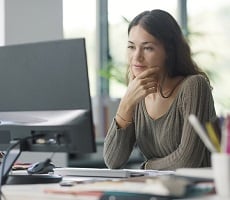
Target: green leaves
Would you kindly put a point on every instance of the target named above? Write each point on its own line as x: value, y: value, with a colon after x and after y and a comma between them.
x: 114, y: 71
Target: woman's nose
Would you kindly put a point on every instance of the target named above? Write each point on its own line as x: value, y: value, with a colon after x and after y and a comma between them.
x: 138, y: 55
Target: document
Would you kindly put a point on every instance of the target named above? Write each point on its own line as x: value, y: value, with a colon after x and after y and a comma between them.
x: 105, y: 172
x: 98, y: 172
x: 161, y: 187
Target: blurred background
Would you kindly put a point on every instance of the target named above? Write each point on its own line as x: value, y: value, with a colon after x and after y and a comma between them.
x: 204, y: 23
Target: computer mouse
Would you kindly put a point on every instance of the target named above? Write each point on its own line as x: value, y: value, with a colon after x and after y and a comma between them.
x: 41, y: 167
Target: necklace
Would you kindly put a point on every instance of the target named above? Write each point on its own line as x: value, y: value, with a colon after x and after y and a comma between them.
x: 171, y: 92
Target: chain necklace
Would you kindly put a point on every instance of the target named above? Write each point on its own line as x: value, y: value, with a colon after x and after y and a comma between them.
x: 171, y: 92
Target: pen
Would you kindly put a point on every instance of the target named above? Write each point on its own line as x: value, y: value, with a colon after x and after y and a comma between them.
x: 201, y: 132
x: 217, y: 123
x: 213, y: 135
x: 225, y: 140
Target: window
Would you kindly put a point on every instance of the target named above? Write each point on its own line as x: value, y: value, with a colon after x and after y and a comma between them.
x: 79, y: 20
x: 210, y: 43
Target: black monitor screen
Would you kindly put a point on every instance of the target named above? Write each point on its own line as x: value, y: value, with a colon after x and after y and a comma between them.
x: 45, y: 96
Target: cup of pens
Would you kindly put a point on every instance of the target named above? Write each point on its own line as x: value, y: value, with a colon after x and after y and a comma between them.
x: 221, y: 159
x: 216, y: 137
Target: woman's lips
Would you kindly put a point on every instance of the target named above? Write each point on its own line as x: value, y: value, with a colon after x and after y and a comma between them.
x: 139, y: 66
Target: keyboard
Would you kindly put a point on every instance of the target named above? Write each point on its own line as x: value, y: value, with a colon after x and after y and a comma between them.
x: 97, y: 172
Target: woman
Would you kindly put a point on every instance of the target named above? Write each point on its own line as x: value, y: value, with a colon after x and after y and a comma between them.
x: 165, y: 87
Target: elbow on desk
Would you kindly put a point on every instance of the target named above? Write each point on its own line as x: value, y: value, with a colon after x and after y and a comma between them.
x: 99, y: 160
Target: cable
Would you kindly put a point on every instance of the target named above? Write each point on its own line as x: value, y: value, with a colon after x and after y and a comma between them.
x: 12, y: 146
x: 3, y: 165
x: 2, y: 195
x: 58, y: 136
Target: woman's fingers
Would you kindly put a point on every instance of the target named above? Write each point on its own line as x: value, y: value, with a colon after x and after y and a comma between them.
x: 149, y: 87
x: 150, y: 72
x: 142, y: 85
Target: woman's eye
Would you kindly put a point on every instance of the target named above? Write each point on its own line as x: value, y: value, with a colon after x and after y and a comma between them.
x: 130, y: 47
x: 148, y: 48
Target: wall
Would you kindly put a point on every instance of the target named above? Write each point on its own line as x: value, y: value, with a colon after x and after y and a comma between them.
x: 24, y: 21
x: 30, y: 21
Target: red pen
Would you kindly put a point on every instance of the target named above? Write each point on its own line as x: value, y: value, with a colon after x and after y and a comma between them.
x: 228, y: 135
x: 225, y: 139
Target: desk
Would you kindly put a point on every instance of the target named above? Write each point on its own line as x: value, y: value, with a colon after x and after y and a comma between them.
x: 37, y: 192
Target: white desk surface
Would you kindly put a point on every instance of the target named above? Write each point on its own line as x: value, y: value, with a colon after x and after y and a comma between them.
x: 37, y: 191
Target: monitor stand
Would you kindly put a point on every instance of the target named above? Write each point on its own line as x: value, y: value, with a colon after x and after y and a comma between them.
x: 32, y: 179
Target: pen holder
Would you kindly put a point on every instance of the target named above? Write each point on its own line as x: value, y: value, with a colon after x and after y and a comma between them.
x: 221, y: 173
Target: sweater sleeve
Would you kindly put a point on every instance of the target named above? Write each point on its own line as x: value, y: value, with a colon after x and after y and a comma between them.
x: 118, y: 145
x: 195, y: 98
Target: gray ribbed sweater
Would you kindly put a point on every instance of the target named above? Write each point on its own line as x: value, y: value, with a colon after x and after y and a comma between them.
x: 168, y: 142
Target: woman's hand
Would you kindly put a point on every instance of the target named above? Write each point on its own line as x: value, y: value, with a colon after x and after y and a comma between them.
x: 142, y: 85
x: 139, y: 87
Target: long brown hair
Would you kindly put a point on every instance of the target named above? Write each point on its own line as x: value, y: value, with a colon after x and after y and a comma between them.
x: 164, y: 27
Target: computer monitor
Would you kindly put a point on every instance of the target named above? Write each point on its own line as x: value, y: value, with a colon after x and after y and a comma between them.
x: 45, y: 97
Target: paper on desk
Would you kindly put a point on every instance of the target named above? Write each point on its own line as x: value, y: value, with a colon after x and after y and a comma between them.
x: 72, y: 180
x: 82, y: 180
x: 150, y: 185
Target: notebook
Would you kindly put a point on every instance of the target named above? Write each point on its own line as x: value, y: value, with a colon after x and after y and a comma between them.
x: 98, y: 172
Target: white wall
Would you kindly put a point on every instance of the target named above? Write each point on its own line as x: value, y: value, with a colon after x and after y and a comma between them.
x: 2, y: 22
x: 24, y: 21
x: 32, y: 20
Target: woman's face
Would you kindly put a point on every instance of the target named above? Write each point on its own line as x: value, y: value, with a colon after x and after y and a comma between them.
x: 144, y: 51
